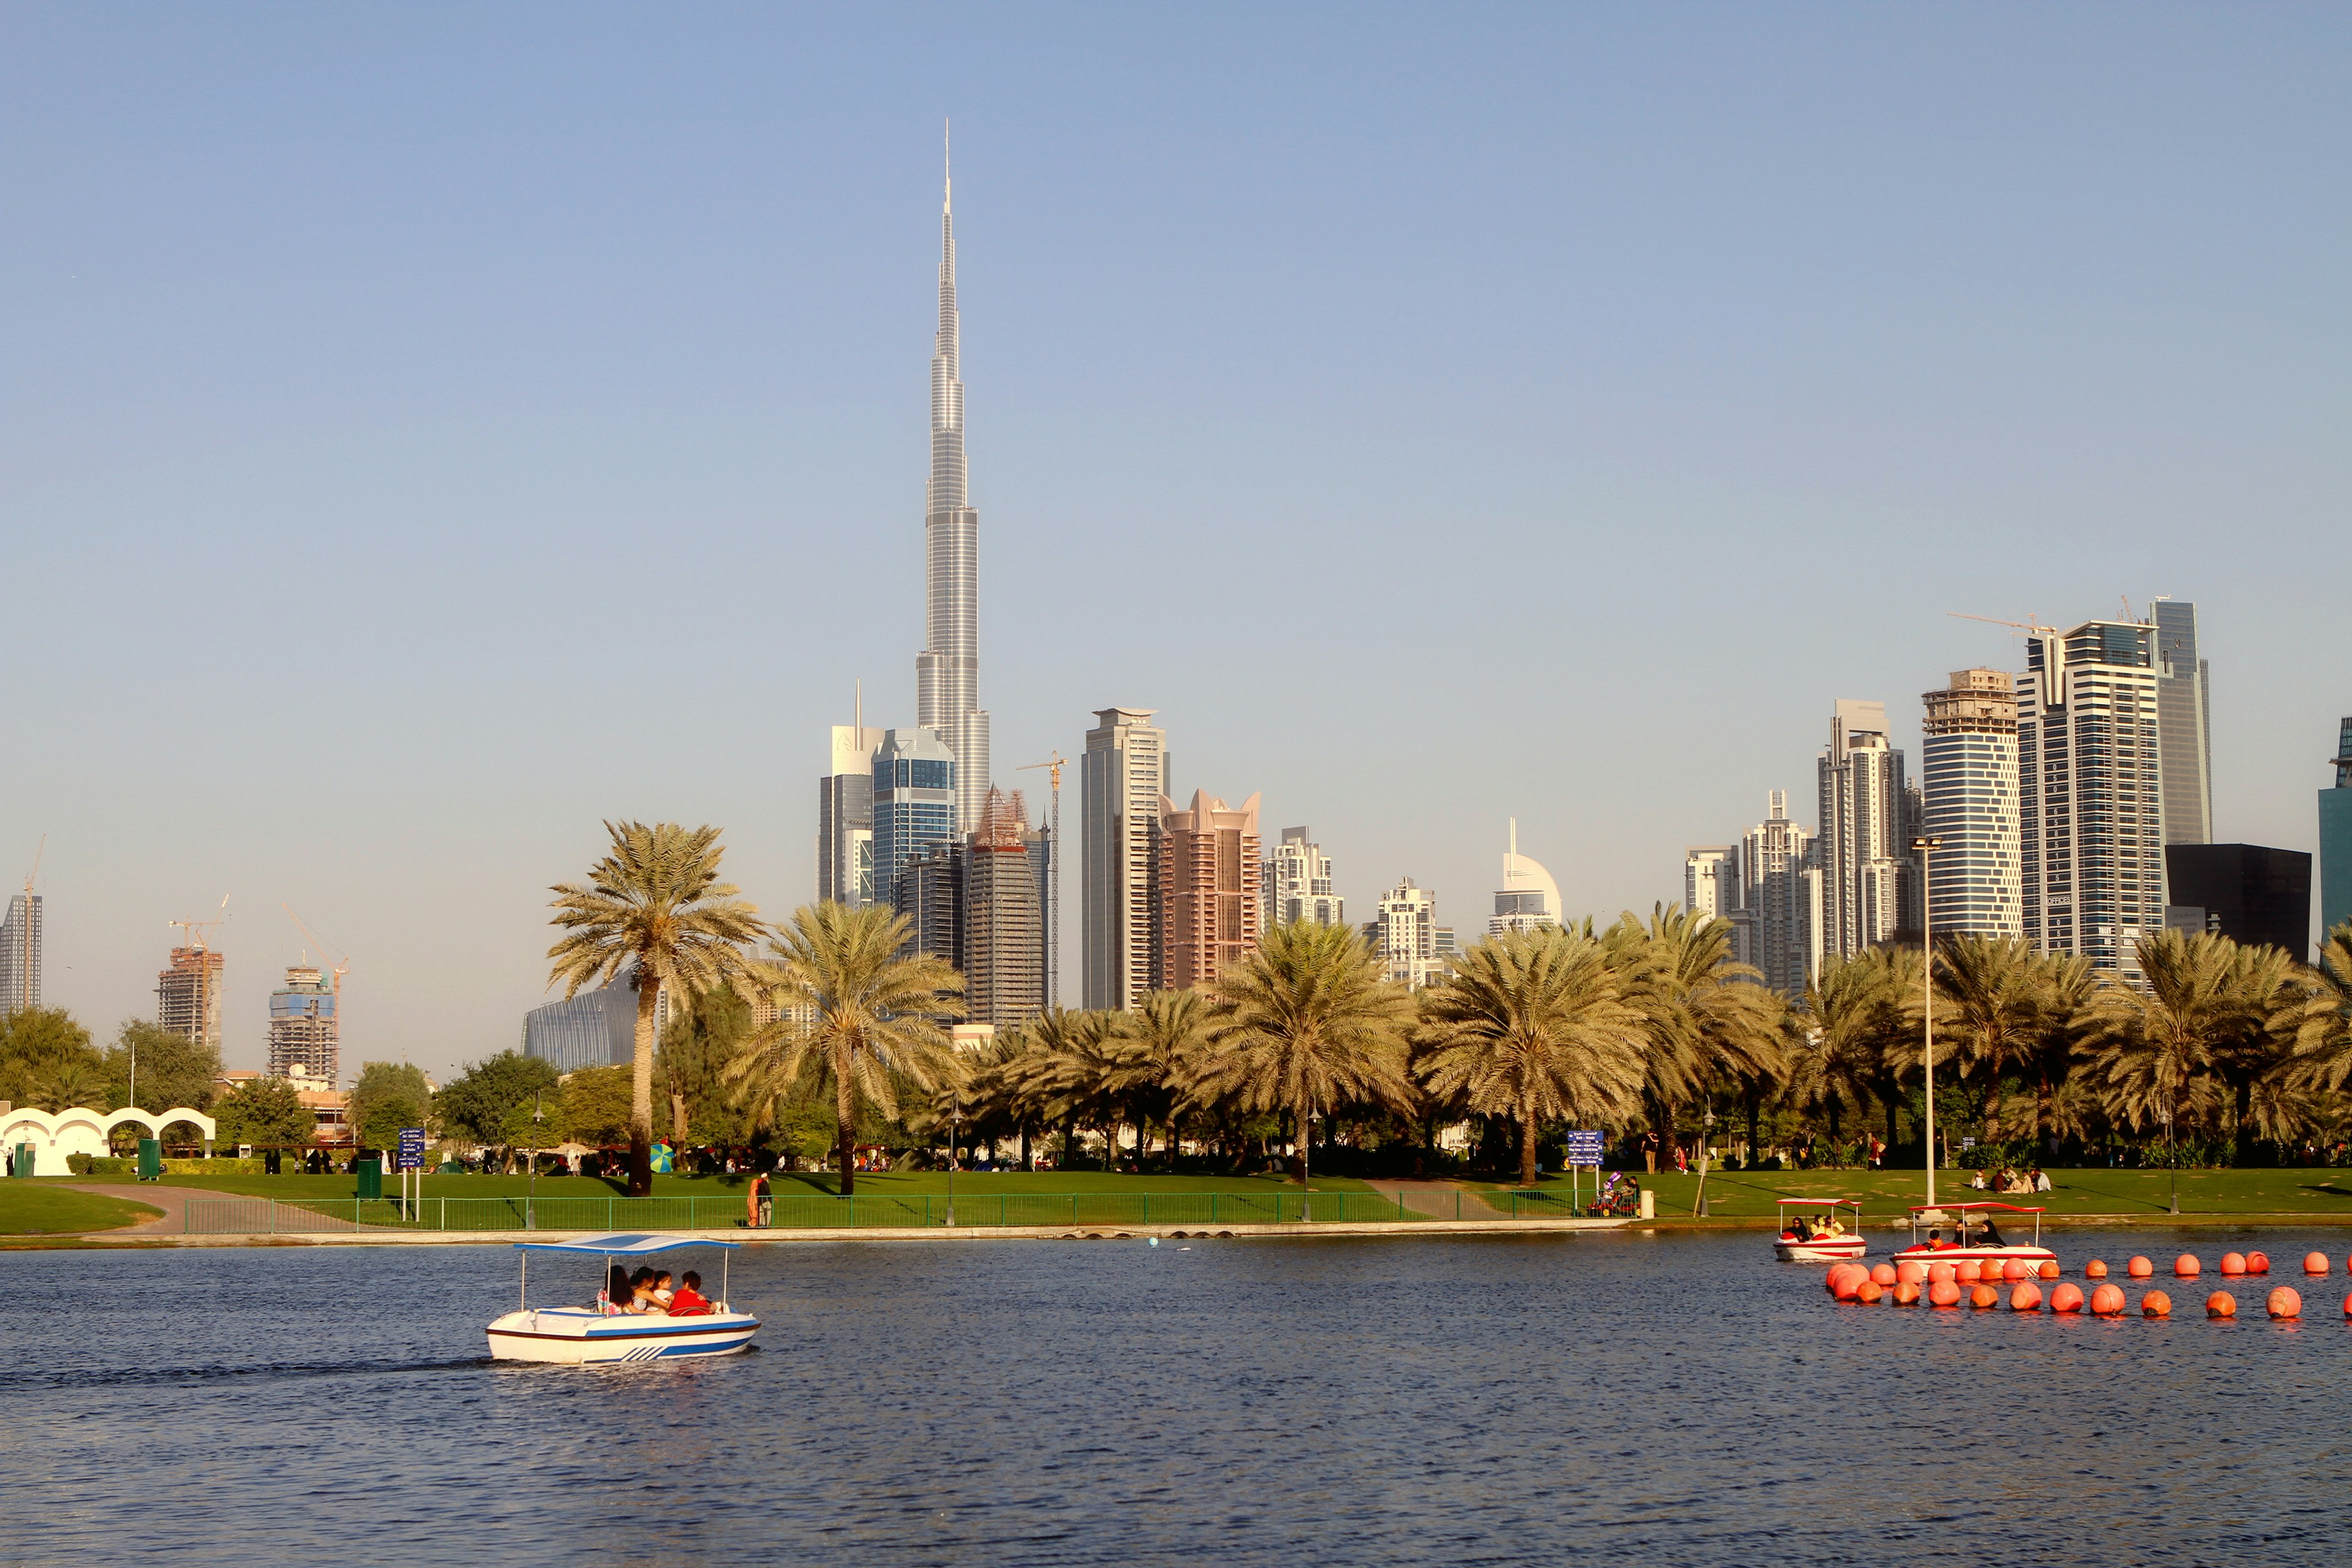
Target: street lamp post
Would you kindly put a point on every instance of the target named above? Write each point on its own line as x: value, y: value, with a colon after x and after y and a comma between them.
x: 531, y: 1197
x: 1927, y: 848
x: 2171, y: 1159
x: 955, y: 1136
x: 1705, y: 1137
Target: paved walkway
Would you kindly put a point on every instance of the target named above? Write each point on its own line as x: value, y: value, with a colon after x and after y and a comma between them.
x: 1439, y: 1200
x: 172, y: 1201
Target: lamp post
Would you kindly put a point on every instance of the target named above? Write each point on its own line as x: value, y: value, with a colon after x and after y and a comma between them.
x: 955, y: 1136
x: 531, y: 1198
x: 1927, y: 848
x: 1705, y: 1137
x: 2171, y: 1159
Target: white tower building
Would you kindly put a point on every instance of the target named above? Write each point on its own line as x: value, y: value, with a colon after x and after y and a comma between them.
x: 1405, y: 935
x: 1298, y: 883
x: 1529, y: 898
x: 1967, y: 765
x: 1121, y: 776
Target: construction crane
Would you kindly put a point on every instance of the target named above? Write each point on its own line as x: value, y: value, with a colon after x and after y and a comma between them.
x: 1053, y: 765
x: 2035, y: 626
x: 196, y: 929
x: 341, y: 965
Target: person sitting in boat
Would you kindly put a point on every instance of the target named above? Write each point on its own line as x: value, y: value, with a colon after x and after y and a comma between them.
x: 689, y: 1301
x: 1800, y: 1228
x: 641, y: 1294
x: 617, y: 1295
x: 1991, y: 1236
x: 663, y: 1290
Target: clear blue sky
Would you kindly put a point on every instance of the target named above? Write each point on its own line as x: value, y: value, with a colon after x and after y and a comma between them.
x: 427, y: 430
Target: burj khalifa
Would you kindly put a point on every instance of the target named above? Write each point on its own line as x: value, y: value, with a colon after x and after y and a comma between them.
x: 947, y: 672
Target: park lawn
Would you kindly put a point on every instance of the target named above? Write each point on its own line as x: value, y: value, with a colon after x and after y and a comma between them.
x: 35, y: 1208
x: 304, y: 1188
x: 1886, y: 1194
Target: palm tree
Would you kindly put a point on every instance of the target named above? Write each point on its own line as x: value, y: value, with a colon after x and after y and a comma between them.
x: 856, y: 1014
x: 1087, y: 1072
x: 2066, y: 982
x: 1843, y: 1023
x: 1706, y: 1016
x: 2263, y: 979
x: 1990, y: 1008
x: 2157, y: 1050
x: 1304, y: 1020
x: 1534, y: 1026
x: 2320, y: 1019
x: 655, y: 905
x: 1169, y: 1029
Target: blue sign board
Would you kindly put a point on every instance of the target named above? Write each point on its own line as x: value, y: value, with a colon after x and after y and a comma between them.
x: 1584, y: 1149
x: 412, y: 1148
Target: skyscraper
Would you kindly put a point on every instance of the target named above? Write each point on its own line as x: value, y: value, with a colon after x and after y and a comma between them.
x: 1866, y: 823
x: 1529, y: 898
x: 20, y: 954
x: 304, y: 1038
x: 1003, y: 925
x: 2335, y: 840
x: 2184, y: 709
x: 1209, y: 898
x: 188, y: 995
x: 2091, y: 804
x: 914, y: 803
x: 947, y: 672
x: 1776, y: 928
x: 1711, y: 880
x: 845, y: 818
x: 2250, y: 893
x: 1298, y: 883
x: 1122, y: 777
x: 1967, y: 767
x: 1404, y: 937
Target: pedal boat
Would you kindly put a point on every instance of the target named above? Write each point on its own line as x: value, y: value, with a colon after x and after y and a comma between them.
x: 1952, y: 1249
x: 1842, y: 1242
x: 605, y: 1335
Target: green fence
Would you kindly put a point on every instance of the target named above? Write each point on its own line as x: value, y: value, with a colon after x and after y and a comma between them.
x: 811, y: 1211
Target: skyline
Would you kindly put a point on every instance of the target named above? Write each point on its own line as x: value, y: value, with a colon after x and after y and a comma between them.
x: 299, y: 604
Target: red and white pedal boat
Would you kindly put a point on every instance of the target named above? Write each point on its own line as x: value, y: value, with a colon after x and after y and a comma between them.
x: 1980, y: 1242
x: 1829, y: 1240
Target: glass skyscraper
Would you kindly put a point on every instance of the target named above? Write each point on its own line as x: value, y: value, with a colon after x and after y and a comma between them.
x: 2335, y: 840
x: 914, y: 803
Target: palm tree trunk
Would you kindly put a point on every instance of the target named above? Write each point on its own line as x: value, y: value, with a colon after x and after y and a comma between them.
x: 1025, y: 1163
x: 1755, y: 1106
x: 641, y: 1094
x: 1527, y: 1146
x: 845, y: 1112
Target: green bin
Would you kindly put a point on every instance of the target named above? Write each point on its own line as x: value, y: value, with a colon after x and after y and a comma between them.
x: 371, y: 1174
x: 151, y: 1160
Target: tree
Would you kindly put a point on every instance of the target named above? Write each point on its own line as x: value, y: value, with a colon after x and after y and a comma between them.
x: 1706, y: 1016
x: 2157, y: 1050
x: 266, y: 1112
x: 47, y: 1062
x: 595, y: 1106
x: 1533, y: 1026
x: 172, y: 1069
x: 856, y: 1015
x: 2319, y: 1020
x: 388, y: 1097
x: 482, y: 1100
x: 1991, y: 1006
x: 1305, y: 1022
x: 1169, y: 1030
x: 1842, y: 1024
x: 654, y: 906
x: 695, y: 1050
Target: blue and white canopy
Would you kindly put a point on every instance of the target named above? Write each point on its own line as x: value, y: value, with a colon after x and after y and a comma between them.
x: 621, y: 1245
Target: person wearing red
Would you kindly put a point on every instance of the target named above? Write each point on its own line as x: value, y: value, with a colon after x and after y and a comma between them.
x: 688, y: 1301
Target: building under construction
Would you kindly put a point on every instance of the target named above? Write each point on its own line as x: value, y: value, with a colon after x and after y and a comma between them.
x: 20, y: 953
x: 304, y: 1042
x: 1003, y: 921
x: 188, y: 995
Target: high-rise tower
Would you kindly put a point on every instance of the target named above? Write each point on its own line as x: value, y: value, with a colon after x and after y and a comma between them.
x: 1967, y: 758
x: 947, y: 672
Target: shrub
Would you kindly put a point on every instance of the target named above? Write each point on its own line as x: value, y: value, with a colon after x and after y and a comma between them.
x: 79, y: 1164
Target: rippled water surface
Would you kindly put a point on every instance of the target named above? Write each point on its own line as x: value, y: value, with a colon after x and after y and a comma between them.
x: 1658, y: 1399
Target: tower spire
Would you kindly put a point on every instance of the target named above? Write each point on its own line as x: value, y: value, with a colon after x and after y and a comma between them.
x: 947, y: 672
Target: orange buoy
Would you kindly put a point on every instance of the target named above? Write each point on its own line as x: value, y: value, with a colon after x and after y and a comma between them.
x: 2315, y: 1263
x: 2139, y: 1269
x: 2016, y: 1269
x: 2233, y: 1263
x: 2107, y: 1300
x: 2050, y: 1268
x: 1907, y: 1293
x: 2283, y: 1303
x: 1883, y: 1276
x: 2258, y: 1263
x: 2066, y: 1297
x: 2156, y: 1304
x: 1968, y: 1271
x: 2025, y: 1299
x: 1983, y: 1296
x: 1944, y: 1293
x: 1868, y: 1292
x: 2187, y: 1267
x: 2221, y: 1304
x: 1941, y: 1274
x: 2094, y: 1269
x: 1846, y: 1278
x: 1910, y: 1271
x: 2348, y: 1306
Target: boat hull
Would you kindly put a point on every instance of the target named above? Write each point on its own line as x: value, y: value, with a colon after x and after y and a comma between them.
x: 573, y: 1336
x: 1833, y: 1249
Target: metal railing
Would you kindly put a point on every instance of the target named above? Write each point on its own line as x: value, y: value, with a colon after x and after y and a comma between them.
x: 236, y: 1215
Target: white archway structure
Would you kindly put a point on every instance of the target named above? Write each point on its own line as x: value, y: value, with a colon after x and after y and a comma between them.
x: 82, y: 1130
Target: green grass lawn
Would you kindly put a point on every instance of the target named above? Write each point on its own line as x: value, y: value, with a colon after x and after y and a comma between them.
x: 297, y: 1188
x: 35, y: 1208
x: 1886, y: 1194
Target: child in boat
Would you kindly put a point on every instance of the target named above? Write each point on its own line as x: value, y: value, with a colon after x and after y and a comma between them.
x: 689, y: 1301
x: 662, y: 1291
x: 641, y: 1293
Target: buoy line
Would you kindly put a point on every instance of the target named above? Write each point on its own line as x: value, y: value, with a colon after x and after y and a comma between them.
x: 1940, y: 1284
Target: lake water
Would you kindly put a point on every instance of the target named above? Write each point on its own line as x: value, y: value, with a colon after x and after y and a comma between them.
x: 1655, y: 1399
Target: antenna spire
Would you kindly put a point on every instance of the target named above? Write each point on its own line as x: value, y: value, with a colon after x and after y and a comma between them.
x: 947, y: 164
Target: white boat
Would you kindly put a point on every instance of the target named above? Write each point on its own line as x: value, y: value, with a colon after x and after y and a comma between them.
x: 1975, y: 1236
x: 1830, y: 1241
x: 602, y: 1333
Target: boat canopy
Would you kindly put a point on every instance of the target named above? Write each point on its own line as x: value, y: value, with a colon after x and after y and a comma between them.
x: 1824, y: 1202
x: 1959, y: 1208
x: 624, y: 1246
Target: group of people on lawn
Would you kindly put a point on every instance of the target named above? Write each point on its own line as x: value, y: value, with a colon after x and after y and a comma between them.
x: 650, y: 1292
